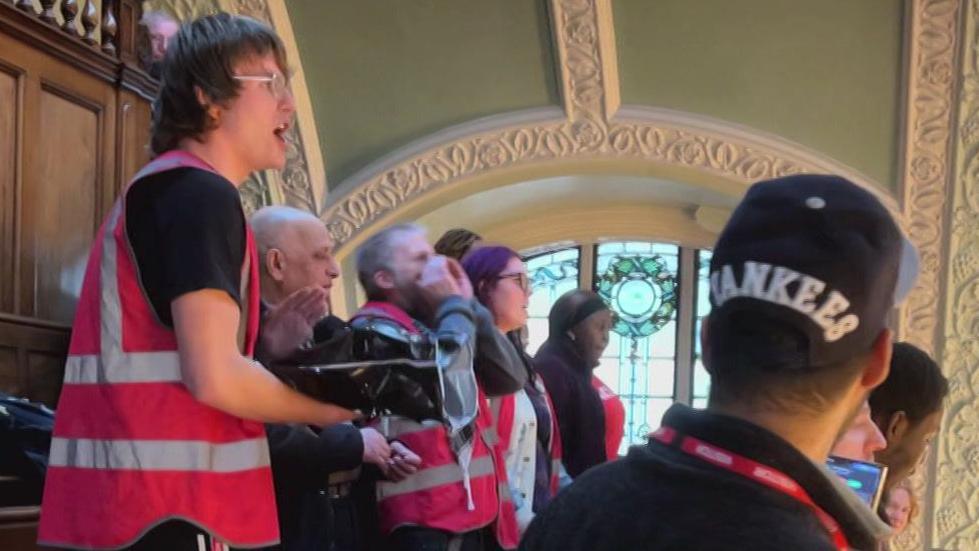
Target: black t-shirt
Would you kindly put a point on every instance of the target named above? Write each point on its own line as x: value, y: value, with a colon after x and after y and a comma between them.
x: 187, y: 231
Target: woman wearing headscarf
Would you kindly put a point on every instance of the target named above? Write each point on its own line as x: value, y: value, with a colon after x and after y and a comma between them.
x: 579, y: 324
x: 529, y: 439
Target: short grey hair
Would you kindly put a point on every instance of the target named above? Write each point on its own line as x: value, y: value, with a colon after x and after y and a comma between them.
x: 375, y: 255
x: 155, y: 17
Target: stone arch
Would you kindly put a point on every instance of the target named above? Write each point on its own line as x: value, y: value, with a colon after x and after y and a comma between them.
x: 512, y: 147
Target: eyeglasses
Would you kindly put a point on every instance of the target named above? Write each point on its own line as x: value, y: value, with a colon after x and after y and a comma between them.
x: 520, y: 279
x: 275, y: 82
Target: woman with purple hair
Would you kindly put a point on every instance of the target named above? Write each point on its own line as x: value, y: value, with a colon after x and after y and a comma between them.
x: 529, y: 438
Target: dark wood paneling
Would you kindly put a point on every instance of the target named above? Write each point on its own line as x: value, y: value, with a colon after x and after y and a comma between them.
x: 133, y: 139
x: 18, y: 526
x: 32, y: 358
x: 65, y: 200
x: 11, y: 378
x: 45, y: 372
x: 69, y: 177
x: 9, y: 141
x: 74, y: 122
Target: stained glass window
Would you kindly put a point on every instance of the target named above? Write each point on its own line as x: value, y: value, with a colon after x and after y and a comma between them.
x: 701, y: 379
x: 551, y: 275
x: 639, y: 282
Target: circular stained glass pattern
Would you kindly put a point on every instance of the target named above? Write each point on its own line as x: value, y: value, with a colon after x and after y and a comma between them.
x: 641, y: 291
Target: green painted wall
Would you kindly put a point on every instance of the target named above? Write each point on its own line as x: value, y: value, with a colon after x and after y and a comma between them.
x: 384, y: 72
x: 824, y: 73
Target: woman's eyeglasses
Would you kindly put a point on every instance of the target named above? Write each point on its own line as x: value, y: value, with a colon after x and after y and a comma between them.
x: 520, y: 279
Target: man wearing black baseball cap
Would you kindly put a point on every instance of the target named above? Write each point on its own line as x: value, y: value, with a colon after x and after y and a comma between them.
x: 802, y: 280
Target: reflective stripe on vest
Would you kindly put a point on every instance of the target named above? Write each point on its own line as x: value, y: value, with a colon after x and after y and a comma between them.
x: 426, y: 479
x: 127, y: 430
x: 505, y: 529
x: 438, y: 496
x: 393, y: 427
x: 504, y: 489
x: 135, y: 367
x: 159, y: 455
x: 490, y: 436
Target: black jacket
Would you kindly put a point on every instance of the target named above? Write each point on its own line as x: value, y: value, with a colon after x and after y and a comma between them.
x: 579, y: 410
x: 301, y: 464
x: 302, y: 461
x: 659, y: 497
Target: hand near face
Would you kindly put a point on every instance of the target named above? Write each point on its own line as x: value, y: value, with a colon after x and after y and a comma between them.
x: 437, y: 281
x: 289, y: 324
x: 462, y: 280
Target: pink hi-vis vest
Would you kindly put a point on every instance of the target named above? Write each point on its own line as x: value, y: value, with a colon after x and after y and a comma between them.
x: 132, y: 448
x: 614, y: 417
x: 436, y: 496
x: 504, y: 408
x: 502, y: 414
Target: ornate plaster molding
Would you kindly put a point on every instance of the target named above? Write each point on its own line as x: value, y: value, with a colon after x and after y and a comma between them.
x: 184, y: 10
x: 304, y: 181
x: 584, y: 36
x: 592, y: 127
x: 955, y: 524
x: 931, y: 45
x: 650, y: 136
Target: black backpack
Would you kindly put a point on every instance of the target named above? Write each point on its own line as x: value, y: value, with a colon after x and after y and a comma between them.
x: 25, y: 438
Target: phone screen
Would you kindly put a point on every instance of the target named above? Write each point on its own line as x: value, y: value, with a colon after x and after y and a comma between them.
x: 864, y: 478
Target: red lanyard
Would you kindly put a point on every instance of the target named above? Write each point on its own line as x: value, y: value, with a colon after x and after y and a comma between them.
x: 753, y: 470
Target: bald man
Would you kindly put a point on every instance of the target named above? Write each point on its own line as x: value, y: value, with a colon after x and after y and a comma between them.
x: 313, y: 473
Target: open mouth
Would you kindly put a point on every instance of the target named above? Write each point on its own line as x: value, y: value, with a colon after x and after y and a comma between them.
x: 280, y: 131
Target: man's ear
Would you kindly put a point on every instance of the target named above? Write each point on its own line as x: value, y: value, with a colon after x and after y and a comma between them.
x: 212, y: 110
x: 879, y: 364
x: 384, y: 279
x: 275, y: 263
x: 896, y: 427
x: 705, y: 342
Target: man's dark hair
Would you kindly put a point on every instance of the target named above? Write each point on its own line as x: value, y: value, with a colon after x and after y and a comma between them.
x: 202, y: 55
x: 757, y: 361
x: 915, y: 386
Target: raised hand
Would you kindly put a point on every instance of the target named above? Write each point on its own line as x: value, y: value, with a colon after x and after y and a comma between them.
x: 437, y: 282
x: 462, y: 280
x: 289, y: 324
